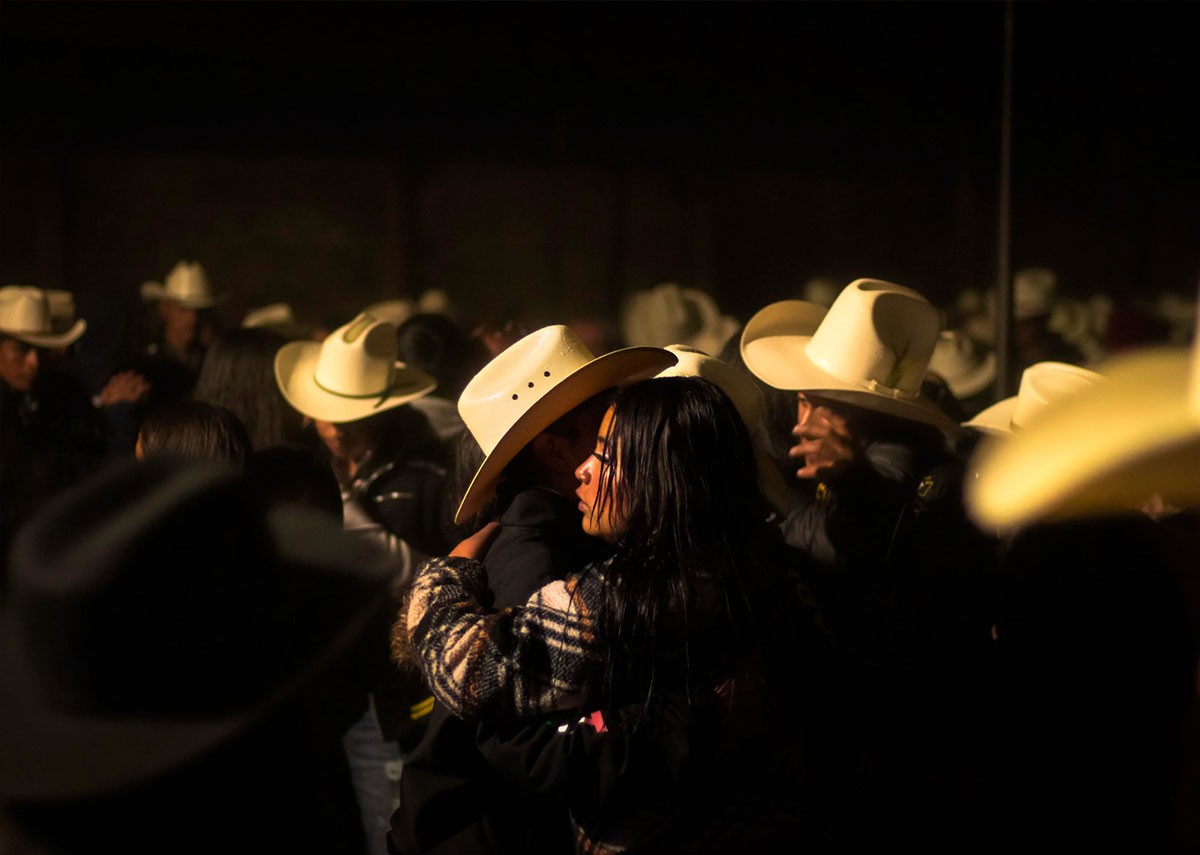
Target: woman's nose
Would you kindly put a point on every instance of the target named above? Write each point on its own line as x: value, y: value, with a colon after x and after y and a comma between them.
x: 581, y: 472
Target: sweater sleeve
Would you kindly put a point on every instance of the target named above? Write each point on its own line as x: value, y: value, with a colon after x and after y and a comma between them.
x: 523, y: 661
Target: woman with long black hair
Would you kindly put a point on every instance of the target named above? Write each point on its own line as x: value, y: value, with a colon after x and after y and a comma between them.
x: 695, y: 641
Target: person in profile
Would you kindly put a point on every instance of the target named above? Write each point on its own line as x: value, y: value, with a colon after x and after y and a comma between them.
x: 178, y: 672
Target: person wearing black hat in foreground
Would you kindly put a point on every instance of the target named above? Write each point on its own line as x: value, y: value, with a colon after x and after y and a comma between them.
x: 177, y: 669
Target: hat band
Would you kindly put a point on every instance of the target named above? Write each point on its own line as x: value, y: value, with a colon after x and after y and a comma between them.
x: 872, y: 386
x: 382, y: 396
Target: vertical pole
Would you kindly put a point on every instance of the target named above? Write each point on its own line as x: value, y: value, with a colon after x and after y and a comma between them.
x: 1005, y: 384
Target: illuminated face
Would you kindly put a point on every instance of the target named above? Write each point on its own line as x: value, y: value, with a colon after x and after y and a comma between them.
x: 602, y: 522
x: 18, y: 364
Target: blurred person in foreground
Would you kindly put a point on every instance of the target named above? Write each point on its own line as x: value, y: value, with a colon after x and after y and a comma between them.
x: 177, y: 673
x: 1099, y: 614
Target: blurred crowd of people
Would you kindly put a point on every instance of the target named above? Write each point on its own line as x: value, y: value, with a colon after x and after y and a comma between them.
x: 406, y: 587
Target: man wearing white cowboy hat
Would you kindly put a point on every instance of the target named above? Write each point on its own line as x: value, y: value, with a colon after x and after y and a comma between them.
x: 534, y: 410
x: 27, y: 326
x: 887, y: 517
x: 858, y: 370
x: 50, y: 434
x: 386, y: 458
x: 179, y: 302
x: 394, y: 492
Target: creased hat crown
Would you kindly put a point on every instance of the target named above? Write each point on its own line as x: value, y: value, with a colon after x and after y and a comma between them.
x: 877, y: 336
x: 505, y: 389
x: 27, y: 313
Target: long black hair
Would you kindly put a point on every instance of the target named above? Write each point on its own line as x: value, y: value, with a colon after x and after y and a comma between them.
x: 239, y: 374
x: 693, y: 584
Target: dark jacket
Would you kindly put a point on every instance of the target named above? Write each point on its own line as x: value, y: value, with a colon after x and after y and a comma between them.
x: 907, y: 597
x: 49, y: 439
x: 450, y: 799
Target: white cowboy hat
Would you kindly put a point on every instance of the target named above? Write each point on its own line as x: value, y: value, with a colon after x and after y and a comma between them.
x: 351, y: 375
x: 532, y: 384
x: 270, y: 315
x: 668, y: 313
x: 1042, y: 384
x: 395, y: 312
x: 871, y: 349
x: 186, y: 285
x: 26, y: 315
x: 747, y: 400
x: 1034, y: 291
x: 957, y: 360
x: 1106, y: 449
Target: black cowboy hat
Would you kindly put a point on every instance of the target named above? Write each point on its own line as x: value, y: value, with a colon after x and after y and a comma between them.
x: 156, y: 611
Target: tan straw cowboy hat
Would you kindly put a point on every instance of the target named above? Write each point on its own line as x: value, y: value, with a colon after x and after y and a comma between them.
x: 186, y: 285
x: 1042, y: 384
x: 532, y: 384
x: 26, y: 314
x: 668, y: 313
x: 351, y: 375
x: 967, y: 367
x: 1106, y: 449
x: 871, y: 349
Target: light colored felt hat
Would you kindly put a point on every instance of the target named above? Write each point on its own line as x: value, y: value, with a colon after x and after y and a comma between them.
x: 966, y: 367
x: 1034, y: 292
x: 747, y: 400
x: 187, y: 285
x: 532, y: 384
x: 820, y: 291
x: 1042, y: 384
x: 271, y: 315
x: 395, y: 312
x: 1105, y: 449
x: 871, y: 349
x: 668, y: 313
x: 62, y: 309
x: 351, y: 375
x: 27, y: 315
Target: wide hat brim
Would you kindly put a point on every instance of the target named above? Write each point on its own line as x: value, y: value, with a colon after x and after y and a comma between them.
x: 51, y: 754
x: 49, y: 340
x: 295, y: 372
x: 774, y: 347
x: 603, y: 372
x: 1105, y: 450
x: 154, y: 291
x: 995, y: 419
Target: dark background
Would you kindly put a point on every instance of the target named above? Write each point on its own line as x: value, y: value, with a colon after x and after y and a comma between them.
x: 542, y: 160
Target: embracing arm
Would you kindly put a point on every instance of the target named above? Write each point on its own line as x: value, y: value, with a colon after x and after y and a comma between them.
x: 520, y: 661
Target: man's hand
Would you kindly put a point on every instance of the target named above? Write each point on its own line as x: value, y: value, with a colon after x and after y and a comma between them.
x: 476, y: 546
x: 127, y: 386
x: 825, y: 444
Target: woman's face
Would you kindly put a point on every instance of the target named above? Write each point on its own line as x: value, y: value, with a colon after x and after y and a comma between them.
x: 601, y: 521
